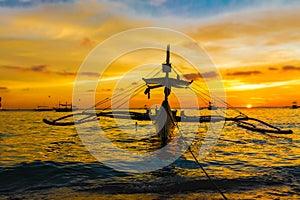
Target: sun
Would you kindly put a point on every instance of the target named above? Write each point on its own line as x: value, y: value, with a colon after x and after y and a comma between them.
x: 249, y: 106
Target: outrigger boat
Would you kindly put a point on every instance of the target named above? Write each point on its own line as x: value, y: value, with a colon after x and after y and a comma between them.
x: 164, y: 118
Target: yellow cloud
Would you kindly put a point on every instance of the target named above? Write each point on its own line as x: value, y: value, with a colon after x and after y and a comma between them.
x: 245, y: 86
x: 250, y: 38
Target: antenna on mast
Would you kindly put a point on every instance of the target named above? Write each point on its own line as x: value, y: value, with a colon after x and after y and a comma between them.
x: 166, y: 67
x: 168, y: 54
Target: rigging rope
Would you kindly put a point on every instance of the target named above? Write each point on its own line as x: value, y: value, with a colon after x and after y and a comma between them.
x: 128, y: 89
x: 206, y: 174
x: 218, y: 98
x: 195, y: 158
x: 137, y: 87
x: 138, y: 90
x: 206, y: 100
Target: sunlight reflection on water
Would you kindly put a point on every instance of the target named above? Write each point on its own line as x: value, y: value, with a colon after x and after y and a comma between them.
x: 41, y: 160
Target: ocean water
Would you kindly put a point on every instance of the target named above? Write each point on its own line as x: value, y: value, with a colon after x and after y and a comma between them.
x: 38, y: 161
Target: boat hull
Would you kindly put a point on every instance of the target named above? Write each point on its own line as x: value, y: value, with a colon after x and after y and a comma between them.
x: 165, y: 123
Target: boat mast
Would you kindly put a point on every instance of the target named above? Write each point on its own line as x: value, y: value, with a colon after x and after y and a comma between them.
x: 166, y: 67
x: 166, y: 81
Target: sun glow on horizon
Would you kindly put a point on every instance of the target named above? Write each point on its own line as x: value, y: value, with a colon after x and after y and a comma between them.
x: 40, y: 55
x: 249, y: 106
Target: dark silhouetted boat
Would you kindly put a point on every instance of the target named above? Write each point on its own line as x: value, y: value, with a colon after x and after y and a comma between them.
x: 294, y: 105
x: 64, y: 107
x: 165, y: 119
x: 43, y: 108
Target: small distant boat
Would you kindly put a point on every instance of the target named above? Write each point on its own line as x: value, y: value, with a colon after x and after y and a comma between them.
x: 294, y: 105
x: 43, y: 108
x: 211, y: 106
x: 0, y: 103
x: 64, y: 107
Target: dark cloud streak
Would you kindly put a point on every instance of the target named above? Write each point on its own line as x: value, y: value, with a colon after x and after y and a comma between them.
x: 211, y: 74
x: 197, y: 76
x: 3, y: 89
x: 39, y: 68
x: 290, y: 67
x: 44, y: 69
x: 244, y: 73
x: 192, y: 76
x: 273, y: 68
x: 93, y: 74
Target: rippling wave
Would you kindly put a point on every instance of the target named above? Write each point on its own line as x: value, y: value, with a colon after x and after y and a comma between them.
x: 41, y: 161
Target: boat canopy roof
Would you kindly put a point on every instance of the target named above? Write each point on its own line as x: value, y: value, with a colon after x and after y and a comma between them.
x: 170, y: 82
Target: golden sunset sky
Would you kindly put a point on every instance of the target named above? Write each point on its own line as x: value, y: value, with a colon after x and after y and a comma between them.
x: 255, y: 45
